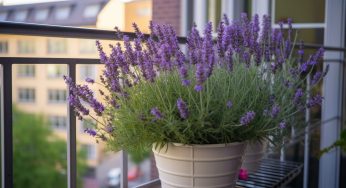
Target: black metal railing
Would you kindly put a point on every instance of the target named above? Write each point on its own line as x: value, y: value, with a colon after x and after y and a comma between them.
x: 63, y: 32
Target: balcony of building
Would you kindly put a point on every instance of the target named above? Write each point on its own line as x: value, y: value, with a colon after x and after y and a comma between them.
x: 34, y: 57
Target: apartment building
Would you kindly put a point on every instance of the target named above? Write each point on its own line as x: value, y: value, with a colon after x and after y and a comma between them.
x: 40, y: 88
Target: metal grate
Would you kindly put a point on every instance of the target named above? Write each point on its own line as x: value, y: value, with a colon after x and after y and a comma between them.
x: 272, y: 173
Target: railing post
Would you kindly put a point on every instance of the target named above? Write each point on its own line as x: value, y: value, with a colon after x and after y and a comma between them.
x: 124, y: 169
x: 71, y: 141
x: 307, y: 136
x: 7, y: 147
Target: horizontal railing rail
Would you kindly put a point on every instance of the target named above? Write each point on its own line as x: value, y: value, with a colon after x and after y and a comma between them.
x: 27, y: 29
x: 19, y: 28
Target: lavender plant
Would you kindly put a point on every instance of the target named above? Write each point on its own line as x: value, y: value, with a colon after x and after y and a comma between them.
x: 246, y: 84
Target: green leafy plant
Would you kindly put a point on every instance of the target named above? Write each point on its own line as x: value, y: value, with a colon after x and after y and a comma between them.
x: 248, y: 85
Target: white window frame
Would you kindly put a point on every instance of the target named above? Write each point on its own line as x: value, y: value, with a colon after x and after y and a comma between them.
x: 58, y: 122
x: 57, y: 71
x: 57, y: 96
x: 42, y: 14
x: 62, y: 13
x: 26, y: 46
x: 317, y: 25
x: 3, y: 47
x: 87, y: 46
x: 57, y: 46
x: 26, y: 71
x: 87, y: 71
x: 91, y: 10
x: 91, y: 151
x: 21, y: 16
x: 26, y: 95
x: 3, y: 16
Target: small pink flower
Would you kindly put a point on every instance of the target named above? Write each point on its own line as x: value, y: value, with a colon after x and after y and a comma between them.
x: 243, y: 174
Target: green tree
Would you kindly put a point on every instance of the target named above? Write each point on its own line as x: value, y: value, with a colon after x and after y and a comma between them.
x: 39, y: 156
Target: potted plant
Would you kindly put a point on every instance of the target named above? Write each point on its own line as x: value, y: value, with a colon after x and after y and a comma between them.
x: 197, y: 110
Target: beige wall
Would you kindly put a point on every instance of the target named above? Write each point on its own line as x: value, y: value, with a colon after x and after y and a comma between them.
x: 139, y: 12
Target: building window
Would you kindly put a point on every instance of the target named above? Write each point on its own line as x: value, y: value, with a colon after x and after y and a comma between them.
x: 87, y: 71
x: 62, y: 13
x: 58, y: 122
x: 87, y: 47
x: 3, y: 47
x: 26, y: 95
x: 56, y: 71
x: 26, y: 46
x: 90, y: 151
x: 20, y: 16
x: 57, y: 46
x: 91, y: 10
x: 3, y: 16
x: 57, y: 96
x: 26, y: 70
x: 42, y: 14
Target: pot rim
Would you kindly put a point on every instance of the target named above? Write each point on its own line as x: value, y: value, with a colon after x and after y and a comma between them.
x: 206, y: 145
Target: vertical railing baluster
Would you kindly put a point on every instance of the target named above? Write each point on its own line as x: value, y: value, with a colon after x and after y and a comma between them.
x: 124, y: 169
x: 7, y: 149
x: 307, y: 136
x: 71, y: 141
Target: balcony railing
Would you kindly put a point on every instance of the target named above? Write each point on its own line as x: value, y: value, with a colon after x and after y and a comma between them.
x: 67, y: 32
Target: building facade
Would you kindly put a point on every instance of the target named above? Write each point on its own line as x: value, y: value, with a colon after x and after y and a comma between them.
x: 40, y: 88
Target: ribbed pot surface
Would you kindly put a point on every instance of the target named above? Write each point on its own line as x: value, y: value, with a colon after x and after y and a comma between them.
x: 199, y: 166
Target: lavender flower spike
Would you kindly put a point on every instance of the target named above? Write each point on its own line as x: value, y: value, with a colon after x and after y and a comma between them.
x: 282, y: 125
x: 89, y: 80
x: 316, y: 78
x: 275, y: 111
x: 247, y: 118
x: 156, y: 112
x: 229, y: 104
x: 91, y: 132
x: 182, y: 108
x: 298, y: 95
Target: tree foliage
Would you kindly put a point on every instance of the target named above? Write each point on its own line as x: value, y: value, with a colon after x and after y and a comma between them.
x: 39, y: 156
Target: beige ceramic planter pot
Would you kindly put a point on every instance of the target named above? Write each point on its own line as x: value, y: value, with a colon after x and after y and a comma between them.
x: 254, y: 153
x: 199, y: 166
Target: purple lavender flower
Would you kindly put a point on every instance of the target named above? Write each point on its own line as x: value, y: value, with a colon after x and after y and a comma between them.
x: 301, y: 52
x: 225, y: 19
x: 275, y: 111
x: 246, y: 58
x: 282, y: 125
x: 304, y: 67
x: 103, y: 56
x: 185, y: 82
x: 89, y: 80
x: 182, y: 108
x: 229, y: 104
x: 91, y: 132
x: 109, y: 128
x: 220, y: 34
x: 200, y: 74
x: 288, y: 83
x: 247, y: 118
x: 315, y: 100
x: 198, y: 88
x: 156, y: 112
x: 183, y: 72
x: 298, y: 95
x: 316, y: 78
